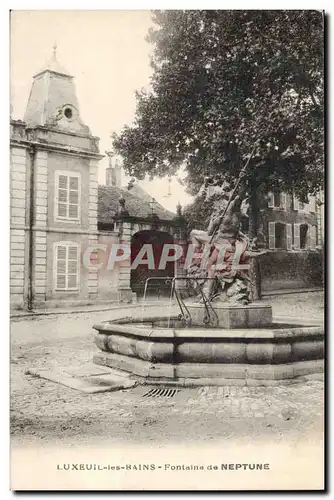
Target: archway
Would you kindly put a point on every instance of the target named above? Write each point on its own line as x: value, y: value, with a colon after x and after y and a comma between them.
x: 154, y: 242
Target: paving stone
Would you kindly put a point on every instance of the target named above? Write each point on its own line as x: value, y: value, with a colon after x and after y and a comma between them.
x: 90, y: 384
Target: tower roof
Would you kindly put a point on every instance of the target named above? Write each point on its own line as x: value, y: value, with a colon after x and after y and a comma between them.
x: 53, y: 100
x: 53, y: 66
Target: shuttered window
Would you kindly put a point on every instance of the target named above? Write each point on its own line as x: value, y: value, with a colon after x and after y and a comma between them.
x: 312, y: 205
x: 283, y: 201
x: 67, y: 202
x: 304, y: 207
x: 277, y: 200
x: 295, y: 203
x: 66, y: 266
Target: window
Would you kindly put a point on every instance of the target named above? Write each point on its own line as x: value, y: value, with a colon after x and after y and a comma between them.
x: 302, y: 207
x: 66, y: 266
x: 303, y: 230
x: 67, y: 202
x: 280, y: 241
x: 277, y: 200
x: 304, y: 237
x: 68, y: 113
x: 280, y: 235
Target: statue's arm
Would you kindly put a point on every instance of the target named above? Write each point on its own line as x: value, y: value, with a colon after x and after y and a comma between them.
x: 214, y: 223
x: 199, y: 237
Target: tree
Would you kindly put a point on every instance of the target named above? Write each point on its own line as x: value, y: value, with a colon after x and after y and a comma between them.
x: 224, y: 81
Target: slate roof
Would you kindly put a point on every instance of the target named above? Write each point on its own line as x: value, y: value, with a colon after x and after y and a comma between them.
x: 54, y: 67
x: 137, y: 206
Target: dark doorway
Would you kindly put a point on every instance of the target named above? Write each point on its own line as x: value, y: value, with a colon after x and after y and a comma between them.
x: 156, y: 287
x: 280, y: 237
x: 303, y: 229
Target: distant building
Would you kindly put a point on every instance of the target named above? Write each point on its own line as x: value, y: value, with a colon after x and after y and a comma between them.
x: 291, y: 224
x: 293, y: 239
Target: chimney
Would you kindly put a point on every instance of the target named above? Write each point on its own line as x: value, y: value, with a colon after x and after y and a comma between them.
x: 114, y: 171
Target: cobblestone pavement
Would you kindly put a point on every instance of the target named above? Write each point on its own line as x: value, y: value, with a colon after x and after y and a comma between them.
x: 45, y: 412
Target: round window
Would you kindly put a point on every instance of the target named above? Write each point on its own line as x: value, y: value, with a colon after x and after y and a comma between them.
x: 68, y: 113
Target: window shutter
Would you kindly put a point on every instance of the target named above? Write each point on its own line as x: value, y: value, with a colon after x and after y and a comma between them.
x: 306, y: 207
x: 67, y: 260
x: 68, y: 199
x: 283, y: 201
x: 295, y: 203
x: 62, y: 209
x: 311, y: 204
x: 313, y: 237
x: 61, y: 267
x: 63, y: 182
x: 271, y: 231
x: 62, y: 196
x: 270, y: 200
x: 73, y: 210
x: 288, y: 236
x: 296, y: 236
x: 72, y: 267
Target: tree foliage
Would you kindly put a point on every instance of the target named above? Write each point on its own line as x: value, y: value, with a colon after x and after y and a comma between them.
x: 224, y: 81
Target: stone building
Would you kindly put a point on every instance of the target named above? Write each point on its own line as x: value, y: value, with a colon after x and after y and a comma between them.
x: 292, y: 225
x: 289, y: 230
x: 291, y: 234
x: 62, y: 223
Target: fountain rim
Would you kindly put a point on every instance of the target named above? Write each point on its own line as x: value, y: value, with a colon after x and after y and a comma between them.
x: 128, y: 326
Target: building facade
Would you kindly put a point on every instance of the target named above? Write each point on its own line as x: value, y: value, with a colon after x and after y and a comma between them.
x: 62, y: 223
x: 289, y: 230
x: 291, y: 224
x: 54, y: 159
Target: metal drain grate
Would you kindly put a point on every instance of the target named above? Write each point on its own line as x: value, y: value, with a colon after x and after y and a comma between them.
x: 161, y: 392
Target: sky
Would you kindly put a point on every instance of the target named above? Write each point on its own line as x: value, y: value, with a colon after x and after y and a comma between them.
x: 108, y: 55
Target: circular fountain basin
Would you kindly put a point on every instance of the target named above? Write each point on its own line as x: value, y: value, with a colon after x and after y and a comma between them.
x: 165, y: 351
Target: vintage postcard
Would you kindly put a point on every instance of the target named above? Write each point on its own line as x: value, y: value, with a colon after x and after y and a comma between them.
x: 167, y: 250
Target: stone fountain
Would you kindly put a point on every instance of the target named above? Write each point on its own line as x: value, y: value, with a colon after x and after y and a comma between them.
x: 220, y: 337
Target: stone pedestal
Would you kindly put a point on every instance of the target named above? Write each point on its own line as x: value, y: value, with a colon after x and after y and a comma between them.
x: 233, y: 316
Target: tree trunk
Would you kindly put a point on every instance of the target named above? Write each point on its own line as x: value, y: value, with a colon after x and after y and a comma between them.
x: 255, y: 270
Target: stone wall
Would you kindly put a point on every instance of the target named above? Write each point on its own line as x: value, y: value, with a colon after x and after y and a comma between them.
x: 290, y: 270
x: 18, y: 214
